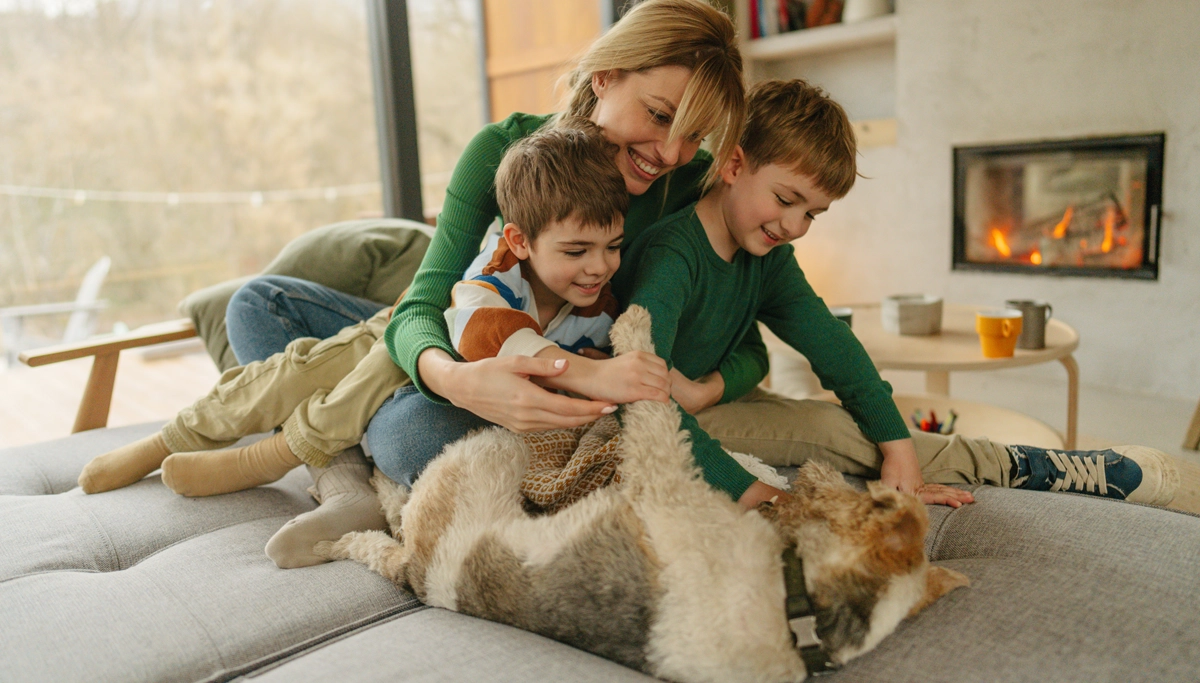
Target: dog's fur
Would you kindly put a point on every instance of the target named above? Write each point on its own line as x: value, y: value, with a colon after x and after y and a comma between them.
x: 661, y: 573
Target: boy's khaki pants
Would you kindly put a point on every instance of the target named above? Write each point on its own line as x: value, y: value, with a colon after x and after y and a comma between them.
x: 322, y: 391
x: 783, y: 431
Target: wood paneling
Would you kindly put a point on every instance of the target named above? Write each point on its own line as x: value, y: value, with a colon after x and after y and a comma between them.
x: 530, y: 45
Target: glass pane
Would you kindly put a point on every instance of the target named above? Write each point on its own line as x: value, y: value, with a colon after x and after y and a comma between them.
x: 447, y: 78
x: 1065, y: 209
x: 184, y: 140
x: 187, y: 140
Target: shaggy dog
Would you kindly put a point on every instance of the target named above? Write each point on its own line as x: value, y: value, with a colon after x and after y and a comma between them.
x: 661, y: 573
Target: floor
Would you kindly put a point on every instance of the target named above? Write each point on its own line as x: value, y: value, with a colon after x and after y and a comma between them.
x: 38, y: 404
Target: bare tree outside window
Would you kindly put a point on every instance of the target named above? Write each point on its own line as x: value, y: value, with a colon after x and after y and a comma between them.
x: 189, y: 140
x: 449, y: 89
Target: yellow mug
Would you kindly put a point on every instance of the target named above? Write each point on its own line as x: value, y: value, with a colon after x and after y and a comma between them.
x: 998, y: 331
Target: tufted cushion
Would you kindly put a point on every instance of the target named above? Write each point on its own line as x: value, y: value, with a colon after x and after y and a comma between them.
x: 373, y: 259
x: 142, y: 584
x: 1063, y: 588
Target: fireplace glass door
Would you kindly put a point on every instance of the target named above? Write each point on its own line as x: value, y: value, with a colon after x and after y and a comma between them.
x: 1085, y: 207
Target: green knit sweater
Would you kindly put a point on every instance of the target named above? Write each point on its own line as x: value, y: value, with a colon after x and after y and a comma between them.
x: 470, y: 206
x: 703, y: 307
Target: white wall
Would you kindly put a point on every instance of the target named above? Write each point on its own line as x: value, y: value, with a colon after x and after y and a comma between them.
x: 980, y: 71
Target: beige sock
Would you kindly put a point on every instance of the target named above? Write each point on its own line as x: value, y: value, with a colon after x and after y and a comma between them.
x: 348, y: 503
x: 124, y: 466
x: 209, y: 473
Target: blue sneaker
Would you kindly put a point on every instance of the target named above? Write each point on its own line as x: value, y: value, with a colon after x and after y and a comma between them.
x: 1134, y: 473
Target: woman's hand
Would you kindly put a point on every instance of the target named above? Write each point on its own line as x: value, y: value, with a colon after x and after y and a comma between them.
x: 696, y: 396
x: 634, y: 376
x: 499, y: 390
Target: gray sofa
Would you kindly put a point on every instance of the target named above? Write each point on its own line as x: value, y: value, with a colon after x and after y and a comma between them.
x: 142, y: 585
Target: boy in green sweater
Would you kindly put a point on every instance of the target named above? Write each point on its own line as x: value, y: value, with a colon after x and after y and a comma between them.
x: 709, y: 271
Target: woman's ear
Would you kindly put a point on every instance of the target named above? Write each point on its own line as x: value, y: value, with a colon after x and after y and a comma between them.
x: 736, y: 165
x: 600, y: 82
x: 517, y: 242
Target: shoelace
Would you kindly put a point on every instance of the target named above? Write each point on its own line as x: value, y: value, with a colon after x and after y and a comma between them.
x: 1079, y: 473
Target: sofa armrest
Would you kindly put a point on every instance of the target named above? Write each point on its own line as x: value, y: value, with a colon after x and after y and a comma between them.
x: 106, y: 350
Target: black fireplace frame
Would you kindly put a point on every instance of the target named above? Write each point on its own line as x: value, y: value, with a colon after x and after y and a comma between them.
x: 1152, y: 144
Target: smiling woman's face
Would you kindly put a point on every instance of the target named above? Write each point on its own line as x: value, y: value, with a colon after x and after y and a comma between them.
x: 635, y: 110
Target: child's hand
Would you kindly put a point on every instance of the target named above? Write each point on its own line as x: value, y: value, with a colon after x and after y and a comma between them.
x: 901, y: 471
x: 696, y: 396
x: 636, y: 376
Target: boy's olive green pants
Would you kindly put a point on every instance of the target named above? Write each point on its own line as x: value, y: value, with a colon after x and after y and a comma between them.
x: 783, y: 431
x: 322, y: 391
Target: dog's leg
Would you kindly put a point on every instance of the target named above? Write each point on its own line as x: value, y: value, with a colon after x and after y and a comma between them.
x: 938, y: 582
x: 392, y: 497
x: 657, y: 456
x: 381, y: 553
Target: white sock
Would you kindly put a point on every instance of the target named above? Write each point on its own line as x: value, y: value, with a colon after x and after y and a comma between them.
x: 347, y: 503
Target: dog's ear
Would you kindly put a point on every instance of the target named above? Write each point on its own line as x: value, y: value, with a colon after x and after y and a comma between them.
x: 815, y: 474
x: 906, y: 532
x: 938, y: 582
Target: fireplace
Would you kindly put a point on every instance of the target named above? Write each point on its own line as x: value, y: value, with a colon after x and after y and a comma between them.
x: 1086, y: 207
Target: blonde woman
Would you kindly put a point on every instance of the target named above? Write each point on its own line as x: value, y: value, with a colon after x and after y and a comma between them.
x: 665, y: 77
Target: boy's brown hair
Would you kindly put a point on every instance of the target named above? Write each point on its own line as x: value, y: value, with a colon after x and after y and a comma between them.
x: 797, y: 125
x: 565, y: 170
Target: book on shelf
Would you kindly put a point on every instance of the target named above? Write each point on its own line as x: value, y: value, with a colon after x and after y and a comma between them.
x: 772, y: 17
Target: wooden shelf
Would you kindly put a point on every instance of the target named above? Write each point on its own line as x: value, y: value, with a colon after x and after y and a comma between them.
x: 822, y: 39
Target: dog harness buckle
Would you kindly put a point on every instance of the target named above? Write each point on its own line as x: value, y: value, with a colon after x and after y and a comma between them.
x: 801, y: 617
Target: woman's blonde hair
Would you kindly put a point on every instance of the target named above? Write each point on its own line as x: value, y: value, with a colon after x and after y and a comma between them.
x: 687, y: 33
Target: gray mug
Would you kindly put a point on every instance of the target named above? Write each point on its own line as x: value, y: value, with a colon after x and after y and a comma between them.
x: 1034, y: 315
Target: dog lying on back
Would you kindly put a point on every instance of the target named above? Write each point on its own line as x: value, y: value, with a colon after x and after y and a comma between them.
x: 660, y: 573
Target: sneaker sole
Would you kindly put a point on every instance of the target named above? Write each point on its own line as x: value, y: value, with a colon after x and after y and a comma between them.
x: 1156, y: 490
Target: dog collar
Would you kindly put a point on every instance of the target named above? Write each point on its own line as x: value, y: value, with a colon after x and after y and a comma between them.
x: 801, y: 616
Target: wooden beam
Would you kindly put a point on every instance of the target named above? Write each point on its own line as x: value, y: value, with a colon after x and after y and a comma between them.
x: 148, y: 335
x: 97, y: 396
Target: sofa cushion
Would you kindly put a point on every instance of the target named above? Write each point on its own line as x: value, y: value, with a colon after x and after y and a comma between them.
x: 1064, y: 587
x: 439, y: 645
x: 373, y: 259
x: 141, y: 584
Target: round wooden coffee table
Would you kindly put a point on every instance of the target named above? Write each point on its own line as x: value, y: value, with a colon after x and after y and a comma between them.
x: 957, y: 349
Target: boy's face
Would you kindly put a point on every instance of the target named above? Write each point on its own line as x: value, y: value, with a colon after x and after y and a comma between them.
x: 573, y: 262
x: 770, y: 205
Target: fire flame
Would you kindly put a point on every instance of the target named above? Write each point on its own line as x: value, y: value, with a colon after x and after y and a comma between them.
x: 1060, y: 230
x: 1110, y: 219
x: 1000, y: 243
x: 1036, y: 258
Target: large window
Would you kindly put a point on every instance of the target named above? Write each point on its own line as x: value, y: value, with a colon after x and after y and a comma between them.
x: 448, y: 83
x: 187, y: 140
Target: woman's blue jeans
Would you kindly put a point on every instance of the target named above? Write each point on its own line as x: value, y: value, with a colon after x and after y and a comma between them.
x: 269, y: 312
x: 408, y: 431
